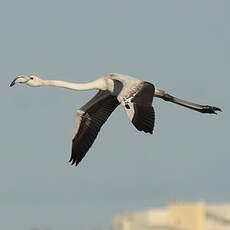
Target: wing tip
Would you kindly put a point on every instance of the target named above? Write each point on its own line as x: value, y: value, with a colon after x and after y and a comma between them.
x: 73, y: 162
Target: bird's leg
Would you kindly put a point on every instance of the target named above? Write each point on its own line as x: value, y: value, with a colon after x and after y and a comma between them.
x: 199, y: 108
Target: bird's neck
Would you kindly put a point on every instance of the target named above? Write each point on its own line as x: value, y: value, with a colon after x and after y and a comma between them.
x: 97, y: 84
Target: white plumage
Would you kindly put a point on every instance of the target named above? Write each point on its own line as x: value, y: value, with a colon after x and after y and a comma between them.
x: 134, y: 95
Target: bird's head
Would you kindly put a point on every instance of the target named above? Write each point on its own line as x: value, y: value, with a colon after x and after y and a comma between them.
x: 30, y: 80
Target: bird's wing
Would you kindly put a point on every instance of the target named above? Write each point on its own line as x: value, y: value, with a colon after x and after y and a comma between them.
x: 139, y: 108
x: 88, y: 121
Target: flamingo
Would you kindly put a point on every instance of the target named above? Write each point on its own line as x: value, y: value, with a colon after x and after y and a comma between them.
x: 134, y: 95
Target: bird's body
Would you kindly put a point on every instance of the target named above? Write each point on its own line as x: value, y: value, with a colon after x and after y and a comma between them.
x: 134, y: 95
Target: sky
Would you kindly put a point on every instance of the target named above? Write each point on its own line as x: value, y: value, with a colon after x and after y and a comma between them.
x: 181, y: 47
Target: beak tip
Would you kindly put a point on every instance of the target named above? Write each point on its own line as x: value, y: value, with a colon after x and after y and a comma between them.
x: 13, y: 82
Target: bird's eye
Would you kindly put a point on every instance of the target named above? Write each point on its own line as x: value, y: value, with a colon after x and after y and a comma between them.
x: 31, y: 78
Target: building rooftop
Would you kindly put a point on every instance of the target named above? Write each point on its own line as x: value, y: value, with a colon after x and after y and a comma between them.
x: 178, y: 216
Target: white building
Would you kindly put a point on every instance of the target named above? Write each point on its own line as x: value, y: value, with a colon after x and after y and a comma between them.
x: 178, y: 216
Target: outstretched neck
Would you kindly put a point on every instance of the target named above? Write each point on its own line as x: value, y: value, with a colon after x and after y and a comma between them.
x: 97, y: 84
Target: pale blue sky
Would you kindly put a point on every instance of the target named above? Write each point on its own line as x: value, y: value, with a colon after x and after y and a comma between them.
x: 180, y: 46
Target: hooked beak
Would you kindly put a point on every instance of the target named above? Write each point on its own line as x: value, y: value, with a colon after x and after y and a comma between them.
x: 13, y: 82
x: 20, y: 79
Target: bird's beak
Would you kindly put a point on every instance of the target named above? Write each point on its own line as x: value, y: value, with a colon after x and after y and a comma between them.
x: 13, y: 82
x: 20, y: 79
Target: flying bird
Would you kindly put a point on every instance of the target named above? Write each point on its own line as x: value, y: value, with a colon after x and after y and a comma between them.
x: 134, y: 95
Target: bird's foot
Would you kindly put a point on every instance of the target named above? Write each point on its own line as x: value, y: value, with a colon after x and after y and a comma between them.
x: 210, y: 109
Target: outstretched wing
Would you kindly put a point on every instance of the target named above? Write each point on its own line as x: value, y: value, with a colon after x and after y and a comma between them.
x: 139, y: 108
x: 88, y: 122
